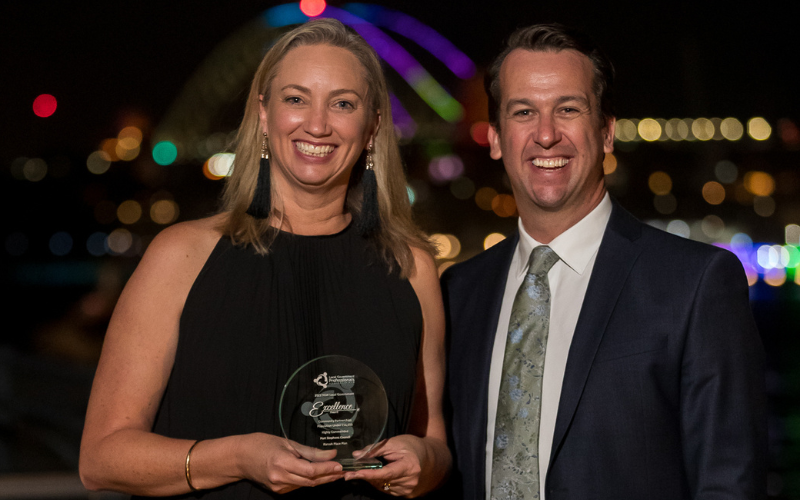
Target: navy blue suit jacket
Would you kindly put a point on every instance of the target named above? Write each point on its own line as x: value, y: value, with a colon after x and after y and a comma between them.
x: 663, y: 394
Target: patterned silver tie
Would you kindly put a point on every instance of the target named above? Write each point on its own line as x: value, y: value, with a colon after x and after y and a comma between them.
x: 515, y: 464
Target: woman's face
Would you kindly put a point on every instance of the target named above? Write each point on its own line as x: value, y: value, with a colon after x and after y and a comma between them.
x: 317, y: 118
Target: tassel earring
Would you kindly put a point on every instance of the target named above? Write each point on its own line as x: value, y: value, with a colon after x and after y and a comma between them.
x: 261, y: 206
x: 370, y: 219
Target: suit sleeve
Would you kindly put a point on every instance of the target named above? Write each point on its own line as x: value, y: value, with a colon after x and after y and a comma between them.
x: 723, y: 399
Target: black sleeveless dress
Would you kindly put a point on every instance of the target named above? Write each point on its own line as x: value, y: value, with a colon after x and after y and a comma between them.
x: 250, y: 321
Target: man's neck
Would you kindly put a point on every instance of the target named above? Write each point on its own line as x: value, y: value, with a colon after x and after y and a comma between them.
x: 544, y: 226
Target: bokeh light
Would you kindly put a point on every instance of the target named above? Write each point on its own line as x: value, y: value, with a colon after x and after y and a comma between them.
x: 676, y: 129
x: 649, y: 129
x: 768, y: 257
x: 445, y: 168
x: 794, y: 256
x: 665, y: 203
x: 164, y: 212
x: 726, y: 171
x: 484, y: 197
x: 775, y: 277
x: 219, y: 166
x: 789, y: 132
x: 731, y: 129
x: 98, y: 162
x: 479, y: 131
x: 34, y: 169
x: 751, y: 274
x: 462, y: 188
x: 792, y: 234
x: 412, y: 194
x: 312, y: 8
x: 764, y: 205
x: 713, y: 192
x: 741, y: 241
x: 492, y: 240
x: 131, y: 132
x: 703, y: 129
x: 625, y: 130
x: 759, y: 183
x: 448, y: 246
x: 504, y: 205
x: 119, y: 241
x: 17, y: 167
x: 165, y: 153
x: 44, y: 105
x: 129, y: 212
x: 609, y: 164
x: 660, y: 183
x: 127, y: 148
x: 758, y: 129
x: 679, y: 228
x: 109, y: 146
x: 96, y: 244
x: 60, y: 243
x: 712, y: 226
x: 689, y: 123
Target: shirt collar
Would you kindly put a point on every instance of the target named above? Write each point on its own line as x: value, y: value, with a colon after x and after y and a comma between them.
x: 575, y: 246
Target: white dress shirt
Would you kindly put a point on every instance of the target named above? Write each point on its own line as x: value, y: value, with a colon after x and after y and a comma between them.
x: 569, y: 277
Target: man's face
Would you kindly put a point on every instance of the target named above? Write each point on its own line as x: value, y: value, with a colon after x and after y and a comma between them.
x: 552, y: 137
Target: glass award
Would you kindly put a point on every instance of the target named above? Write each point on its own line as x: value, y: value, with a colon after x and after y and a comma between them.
x: 335, y: 403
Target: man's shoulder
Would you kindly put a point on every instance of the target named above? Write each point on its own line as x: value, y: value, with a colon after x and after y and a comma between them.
x: 490, y: 260
x: 665, y: 248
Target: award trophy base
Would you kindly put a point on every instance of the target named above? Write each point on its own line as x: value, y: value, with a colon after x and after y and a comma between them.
x: 356, y: 464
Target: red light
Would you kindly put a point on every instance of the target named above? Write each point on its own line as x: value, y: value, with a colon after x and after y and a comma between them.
x: 479, y: 132
x: 44, y: 105
x: 312, y: 8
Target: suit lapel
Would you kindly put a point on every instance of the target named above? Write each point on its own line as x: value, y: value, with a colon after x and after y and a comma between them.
x: 615, y: 258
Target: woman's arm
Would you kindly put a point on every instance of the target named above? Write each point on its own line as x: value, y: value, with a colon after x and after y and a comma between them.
x: 420, y: 461
x: 118, y: 450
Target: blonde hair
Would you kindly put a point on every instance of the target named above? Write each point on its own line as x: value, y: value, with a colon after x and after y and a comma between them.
x: 397, y: 233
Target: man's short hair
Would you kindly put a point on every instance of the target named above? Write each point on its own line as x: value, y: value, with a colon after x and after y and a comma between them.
x: 554, y: 38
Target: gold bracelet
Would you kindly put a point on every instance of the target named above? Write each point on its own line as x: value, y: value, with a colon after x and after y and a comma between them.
x: 188, y: 472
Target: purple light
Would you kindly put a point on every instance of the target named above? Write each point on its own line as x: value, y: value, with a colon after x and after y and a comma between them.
x: 422, y: 34
x: 445, y: 168
x: 402, y: 119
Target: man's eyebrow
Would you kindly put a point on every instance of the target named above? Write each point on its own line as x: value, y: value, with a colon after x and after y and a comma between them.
x: 520, y: 102
x: 567, y: 98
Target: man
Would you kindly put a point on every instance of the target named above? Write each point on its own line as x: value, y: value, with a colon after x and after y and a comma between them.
x: 592, y: 356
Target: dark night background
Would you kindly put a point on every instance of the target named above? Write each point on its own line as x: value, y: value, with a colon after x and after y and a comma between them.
x: 113, y: 64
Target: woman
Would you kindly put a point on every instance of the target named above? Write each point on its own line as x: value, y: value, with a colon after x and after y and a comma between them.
x: 302, y: 261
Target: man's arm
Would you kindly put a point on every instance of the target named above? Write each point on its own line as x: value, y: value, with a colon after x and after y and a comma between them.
x: 723, y: 400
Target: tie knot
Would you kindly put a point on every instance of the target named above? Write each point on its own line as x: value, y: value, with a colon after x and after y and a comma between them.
x: 542, y: 259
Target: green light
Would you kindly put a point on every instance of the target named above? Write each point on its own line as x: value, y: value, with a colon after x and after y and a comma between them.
x: 164, y: 153
x: 794, y: 256
x: 412, y: 196
x: 436, y: 96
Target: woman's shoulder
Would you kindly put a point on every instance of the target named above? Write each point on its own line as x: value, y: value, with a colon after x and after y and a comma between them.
x: 183, y: 248
x: 425, y: 273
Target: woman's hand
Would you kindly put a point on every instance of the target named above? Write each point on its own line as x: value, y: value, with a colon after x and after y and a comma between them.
x: 282, y: 466
x: 407, y: 456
